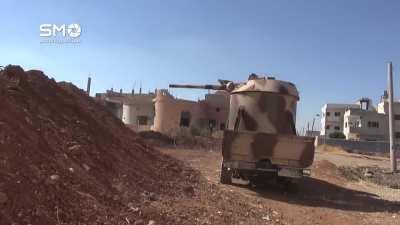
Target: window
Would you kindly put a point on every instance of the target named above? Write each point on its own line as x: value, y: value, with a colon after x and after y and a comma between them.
x: 373, y: 124
x: 142, y: 120
x: 397, y: 134
x: 328, y: 113
x: 185, y: 119
x: 337, y: 128
x: 327, y: 127
x: 217, y: 109
x: 397, y: 117
x: 337, y: 114
x: 222, y: 126
x: 345, y: 125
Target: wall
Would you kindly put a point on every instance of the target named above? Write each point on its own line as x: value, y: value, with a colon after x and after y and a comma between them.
x: 136, y: 107
x: 362, y: 146
x: 168, y: 112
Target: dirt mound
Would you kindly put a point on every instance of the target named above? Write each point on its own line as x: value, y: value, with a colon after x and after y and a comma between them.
x: 325, y: 165
x: 66, y: 159
x: 372, y: 174
x: 328, y: 170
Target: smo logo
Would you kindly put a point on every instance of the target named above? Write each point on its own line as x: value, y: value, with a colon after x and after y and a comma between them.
x: 51, y: 30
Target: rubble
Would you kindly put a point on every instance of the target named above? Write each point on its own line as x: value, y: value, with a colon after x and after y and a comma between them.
x: 54, y: 177
x: 372, y: 174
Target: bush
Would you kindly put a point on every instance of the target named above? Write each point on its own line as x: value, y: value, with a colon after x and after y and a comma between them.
x: 338, y: 135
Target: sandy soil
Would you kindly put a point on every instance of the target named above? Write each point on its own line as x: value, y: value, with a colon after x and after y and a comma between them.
x: 324, y: 198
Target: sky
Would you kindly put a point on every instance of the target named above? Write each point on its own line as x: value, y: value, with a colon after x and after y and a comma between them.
x: 333, y: 51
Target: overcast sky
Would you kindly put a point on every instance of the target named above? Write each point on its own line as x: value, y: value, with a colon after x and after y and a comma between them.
x: 334, y: 51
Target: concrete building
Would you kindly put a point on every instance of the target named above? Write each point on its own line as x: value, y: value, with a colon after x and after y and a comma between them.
x: 361, y: 124
x: 383, y: 108
x: 166, y: 114
x: 332, y: 117
x: 136, y: 110
x: 360, y: 121
x: 173, y: 114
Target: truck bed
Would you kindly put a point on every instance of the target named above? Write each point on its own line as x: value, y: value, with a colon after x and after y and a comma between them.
x: 281, y: 150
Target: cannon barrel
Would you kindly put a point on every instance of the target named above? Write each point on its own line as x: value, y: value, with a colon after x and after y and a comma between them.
x: 207, y: 86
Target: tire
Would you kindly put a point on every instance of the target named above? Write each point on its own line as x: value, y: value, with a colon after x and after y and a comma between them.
x: 226, y: 175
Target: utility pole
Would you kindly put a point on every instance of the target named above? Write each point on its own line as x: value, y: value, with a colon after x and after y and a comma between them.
x: 391, y: 122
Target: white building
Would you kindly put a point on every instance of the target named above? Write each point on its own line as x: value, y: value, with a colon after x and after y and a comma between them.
x: 332, y: 117
x: 360, y: 121
x: 136, y: 110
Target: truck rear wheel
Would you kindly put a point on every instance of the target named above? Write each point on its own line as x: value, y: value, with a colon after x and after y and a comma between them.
x: 226, y: 175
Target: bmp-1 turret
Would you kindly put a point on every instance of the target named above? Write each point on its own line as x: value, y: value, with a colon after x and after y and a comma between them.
x: 260, y: 139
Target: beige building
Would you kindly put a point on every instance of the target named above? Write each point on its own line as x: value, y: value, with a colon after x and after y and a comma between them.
x: 361, y: 124
x: 166, y: 114
x: 172, y: 114
x: 366, y: 122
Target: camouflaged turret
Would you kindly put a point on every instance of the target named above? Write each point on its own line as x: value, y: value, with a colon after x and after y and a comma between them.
x: 260, y: 138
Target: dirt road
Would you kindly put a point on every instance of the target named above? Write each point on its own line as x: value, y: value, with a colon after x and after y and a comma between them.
x: 324, y: 198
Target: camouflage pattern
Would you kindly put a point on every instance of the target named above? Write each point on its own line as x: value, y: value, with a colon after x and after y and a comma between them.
x: 281, y: 150
x: 262, y: 112
x: 261, y: 125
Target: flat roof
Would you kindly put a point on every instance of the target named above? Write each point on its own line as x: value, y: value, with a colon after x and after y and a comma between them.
x: 340, y: 105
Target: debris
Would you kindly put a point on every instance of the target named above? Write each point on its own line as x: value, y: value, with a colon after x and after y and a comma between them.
x: 74, y: 147
x: 86, y: 167
x: 266, y: 218
x: 54, y: 177
x: 368, y: 173
x: 152, y: 222
x: 373, y: 174
x: 149, y: 196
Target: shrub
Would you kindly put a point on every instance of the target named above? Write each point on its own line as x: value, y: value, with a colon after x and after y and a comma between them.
x: 338, y: 135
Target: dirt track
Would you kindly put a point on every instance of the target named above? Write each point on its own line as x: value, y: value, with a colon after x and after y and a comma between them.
x: 324, y: 198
